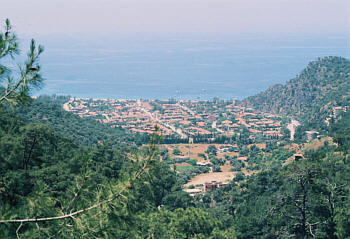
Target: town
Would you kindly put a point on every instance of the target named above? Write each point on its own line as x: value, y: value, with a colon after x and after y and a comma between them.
x: 201, y: 165
x: 183, y: 119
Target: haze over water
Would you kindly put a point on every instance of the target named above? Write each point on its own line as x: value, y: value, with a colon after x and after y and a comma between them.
x: 183, y: 49
x: 228, y: 67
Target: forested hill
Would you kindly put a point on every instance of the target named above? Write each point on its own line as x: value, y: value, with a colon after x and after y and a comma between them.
x: 310, y: 96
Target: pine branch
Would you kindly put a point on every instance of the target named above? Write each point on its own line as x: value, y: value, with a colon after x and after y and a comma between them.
x: 29, y: 78
x: 72, y: 214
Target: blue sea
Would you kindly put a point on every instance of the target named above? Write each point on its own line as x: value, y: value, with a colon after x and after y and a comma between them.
x: 186, y: 67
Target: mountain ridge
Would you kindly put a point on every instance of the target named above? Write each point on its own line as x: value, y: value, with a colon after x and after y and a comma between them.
x: 310, y: 96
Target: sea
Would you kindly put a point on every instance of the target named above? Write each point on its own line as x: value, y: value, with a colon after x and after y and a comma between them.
x: 198, y: 67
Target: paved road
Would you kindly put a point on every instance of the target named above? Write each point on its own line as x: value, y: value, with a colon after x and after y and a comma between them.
x: 213, y: 125
x: 172, y: 127
x: 186, y: 109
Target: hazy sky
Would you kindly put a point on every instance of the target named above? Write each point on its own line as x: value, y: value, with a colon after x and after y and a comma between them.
x: 123, y: 17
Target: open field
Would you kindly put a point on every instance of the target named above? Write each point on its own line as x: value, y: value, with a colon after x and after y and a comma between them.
x: 196, y: 149
x: 313, y: 145
x: 226, y: 168
x: 183, y: 168
x: 224, y: 177
x: 317, y: 143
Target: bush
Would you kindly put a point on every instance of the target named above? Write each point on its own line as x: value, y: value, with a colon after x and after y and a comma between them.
x: 193, y: 162
x: 216, y: 168
x: 239, y: 177
x: 212, y: 150
x: 176, y: 151
x: 235, y: 169
x: 217, y: 161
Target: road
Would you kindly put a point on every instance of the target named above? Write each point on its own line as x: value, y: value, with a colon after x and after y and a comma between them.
x: 213, y: 125
x: 172, y: 127
x: 186, y: 109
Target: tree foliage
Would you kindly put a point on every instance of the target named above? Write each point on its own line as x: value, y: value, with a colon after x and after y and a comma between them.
x: 16, y: 84
x: 305, y: 199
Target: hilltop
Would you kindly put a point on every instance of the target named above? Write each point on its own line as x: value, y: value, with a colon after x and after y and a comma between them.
x: 322, y: 88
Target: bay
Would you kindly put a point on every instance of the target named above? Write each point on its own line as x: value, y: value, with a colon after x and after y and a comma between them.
x: 186, y: 67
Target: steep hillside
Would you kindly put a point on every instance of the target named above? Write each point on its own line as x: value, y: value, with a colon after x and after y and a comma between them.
x: 312, y: 95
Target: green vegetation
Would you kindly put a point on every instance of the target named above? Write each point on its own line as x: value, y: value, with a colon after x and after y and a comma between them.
x: 46, y: 175
x: 66, y: 177
x: 193, y: 162
x: 341, y: 132
x: 183, y: 168
x: 306, y: 199
x: 85, y: 132
x: 212, y: 150
x: 311, y: 96
x: 16, y: 87
x: 177, y: 151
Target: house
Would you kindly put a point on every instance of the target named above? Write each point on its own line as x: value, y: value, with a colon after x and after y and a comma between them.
x: 204, y: 163
x: 212, y: 186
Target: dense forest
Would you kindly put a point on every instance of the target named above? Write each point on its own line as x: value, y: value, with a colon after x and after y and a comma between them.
x: 66, y: 177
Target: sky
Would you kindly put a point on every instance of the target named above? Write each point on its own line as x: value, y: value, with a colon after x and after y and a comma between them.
x: 93, y: 18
